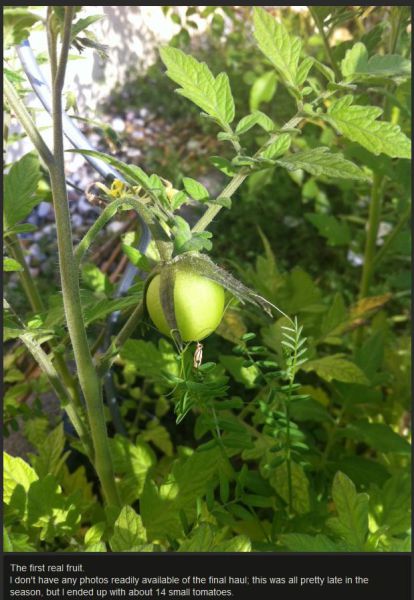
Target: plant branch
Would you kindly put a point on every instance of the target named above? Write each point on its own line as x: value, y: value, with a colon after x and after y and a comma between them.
x: 89, y: 237
x: 391, y: 237
x: 373, y: 225
x: 88, y: 378
x: 45, y: 363
x: 238, y: 179
x: 51, y: 42
x: 125, y: 333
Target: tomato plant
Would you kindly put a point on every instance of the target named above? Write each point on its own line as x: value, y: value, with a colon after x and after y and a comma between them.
x: 282, y: 241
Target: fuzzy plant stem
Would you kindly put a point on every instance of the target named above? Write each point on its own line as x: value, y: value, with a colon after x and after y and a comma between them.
x: 45, y: 363
x: 372, y: 233
x: 288, y: 450
x: 370, y: 245
x: 125, y: 333
x: 88, y: 378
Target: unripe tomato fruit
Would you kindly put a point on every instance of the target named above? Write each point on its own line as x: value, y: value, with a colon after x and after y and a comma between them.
x: 198, y: 305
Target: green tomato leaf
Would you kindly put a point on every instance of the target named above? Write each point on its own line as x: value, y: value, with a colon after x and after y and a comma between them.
x: 352, y: 508
x: 336, y: 232
x: 133, y: 174
x: 378, y: 436
x: 147, y: 360
x: 9, y: 264
x: 16, y: 473
x: 303, y: 70
x: 136, y: 258
x: 83, y: 24
x: 356, y: 59
x: 336, y: 367
x: 223, y: 165
x: 188, y: 481
x: 129, y: 533
x: 195, y: 189
x: 356, y: 64
x: 20, y: 185
x: 281, y: 48
x: 263, y: 89
x: 277, y: 148
x: 131, y: 463
x: 198, y: 84
x: 321, y: 162
x: 23, y: 228
x: 50, y: 456
x: 50, y: 511
x: 302, y: 542
x: 392, y: 504
x: 359, y: 124
x: 246, y: 123
x: 16, y: 24
x: 279, y: 480
x: 178, y: 199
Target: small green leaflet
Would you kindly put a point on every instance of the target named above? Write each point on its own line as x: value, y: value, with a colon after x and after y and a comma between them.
x: 20, y: 185
x: 17, y: 23
x: 136, y: 258
x: 129, y: 532
x: 359, y: 124
x: 198, y: 84
x: 336, y: 232
x: 9, y: 264
x: 186, y: 240
x: 223, y: 165
x: 279, y: 147
x: 336, y: 367
x: 321, y: 162
x: 263, y: 89
x: 255, y: 118
x: 281, y: 48
x: 83, y: 24
x: 303, y: 70
x: 135, y: 175
x: 16, y: 472
x: 352, y: 508
x: 302, y: 542
x: 195, y: 189
x: 378, y: 436
x: 356, y: 64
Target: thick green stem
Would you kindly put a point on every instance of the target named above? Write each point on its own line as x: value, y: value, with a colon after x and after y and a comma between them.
x: 370, y: 245
x: 88, y: 378
x: 371, y: 239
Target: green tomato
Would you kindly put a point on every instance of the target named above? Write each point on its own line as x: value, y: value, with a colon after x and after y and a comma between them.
x: 198, y: 305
